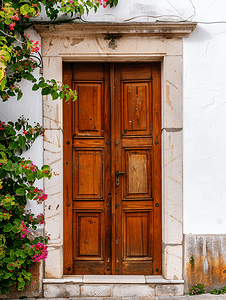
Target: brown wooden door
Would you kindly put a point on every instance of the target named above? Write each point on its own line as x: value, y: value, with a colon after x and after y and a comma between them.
x: 112, y: 169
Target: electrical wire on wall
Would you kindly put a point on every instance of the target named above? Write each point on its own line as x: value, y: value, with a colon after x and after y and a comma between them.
x: 181, y: 17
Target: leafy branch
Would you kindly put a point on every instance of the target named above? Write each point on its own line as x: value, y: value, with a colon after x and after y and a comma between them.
x: 18, y: 51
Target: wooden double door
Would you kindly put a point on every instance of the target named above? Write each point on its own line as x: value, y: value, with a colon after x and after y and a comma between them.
x: 112, y: 169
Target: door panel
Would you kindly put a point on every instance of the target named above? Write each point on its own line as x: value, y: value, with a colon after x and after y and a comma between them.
x: 88, y: 174
x: 138, y: 173
x: 88, y: 109
x: 112, y: 223
x: 136, y: 114
x: 134, y: 234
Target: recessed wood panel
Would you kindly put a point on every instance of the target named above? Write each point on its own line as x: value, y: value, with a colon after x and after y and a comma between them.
x: 88, y: 174
x: 89, y: 268
x: 89, y: 234
x: 88, y: 113
x: 136, y: 114
x: 138, y: 173
x: 136, y: 234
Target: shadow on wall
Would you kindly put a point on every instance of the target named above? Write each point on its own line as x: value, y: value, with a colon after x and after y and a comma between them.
x: 205, y: 261
x: 199, y: 35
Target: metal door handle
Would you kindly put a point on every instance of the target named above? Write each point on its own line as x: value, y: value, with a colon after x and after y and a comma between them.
x: 117, y: 176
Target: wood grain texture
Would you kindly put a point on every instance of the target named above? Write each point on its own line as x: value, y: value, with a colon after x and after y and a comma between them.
x: 157, y: 165
x: 67, y: 177
x: 116, y: 225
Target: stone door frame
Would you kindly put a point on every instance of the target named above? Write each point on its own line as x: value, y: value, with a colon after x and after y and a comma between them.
x: 117, y: 42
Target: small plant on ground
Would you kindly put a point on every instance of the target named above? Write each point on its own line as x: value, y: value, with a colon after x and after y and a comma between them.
x: 218, y: 292
x: 20, y: 247
x: 197, y: 289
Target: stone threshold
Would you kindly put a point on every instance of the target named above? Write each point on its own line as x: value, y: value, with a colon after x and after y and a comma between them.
x: 112, y: 279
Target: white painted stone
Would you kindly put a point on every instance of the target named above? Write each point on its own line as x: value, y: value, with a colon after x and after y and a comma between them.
x: 173, y: 261
x: 96, y: 291
x: 172, y: 182
x: 54, y: 290
x: 132, y: 291
x: 52, y: 110
x: 172, y: 105
x: 72, y: 290
x: 98, y: 45
x: 65, y: 279
x: 169, y: 290
x: 114, y: 279
x: 52, y: 268
x: 54, y: 187
x: 155, y: 279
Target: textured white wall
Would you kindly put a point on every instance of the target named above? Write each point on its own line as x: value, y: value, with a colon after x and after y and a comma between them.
x: 204, y: 104
x: 30, y: 106
x: 204, y: 99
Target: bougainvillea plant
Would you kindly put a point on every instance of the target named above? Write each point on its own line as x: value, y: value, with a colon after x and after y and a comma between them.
x: 20, y: 247
x: 19, y: 54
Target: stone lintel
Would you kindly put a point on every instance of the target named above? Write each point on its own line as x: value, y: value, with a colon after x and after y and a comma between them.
x: 149, y: 29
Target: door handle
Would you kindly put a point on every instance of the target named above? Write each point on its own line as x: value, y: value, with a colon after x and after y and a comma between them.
x: 117, y: 176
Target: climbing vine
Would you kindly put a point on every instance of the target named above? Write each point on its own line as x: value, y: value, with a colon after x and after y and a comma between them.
x: 19, y: 54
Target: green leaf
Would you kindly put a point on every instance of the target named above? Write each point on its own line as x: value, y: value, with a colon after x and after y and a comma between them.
x: 10, y: 166
x: 7, y: 260
x: 29, y: 195
x: 9, y: 267
x: 21, y: 285
x: 46, y: 91
x: 23, y: 254
x: 35, y: 87
x: 19, y: 95
x: 13, y: 145
x: 53, y: 81
x: 8, y: 227
x: 7, y: 274
x: 39, y: 176
x: 30, y: 77
x: 54, y: 95
x: 3, y: 173
x: 15, y: 229
x: 31, y: 176
x: 21, y: 192
x: 24, y: 9
x: 61, y: 93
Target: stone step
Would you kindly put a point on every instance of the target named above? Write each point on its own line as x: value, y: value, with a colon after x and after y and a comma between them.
x: 115, y: 286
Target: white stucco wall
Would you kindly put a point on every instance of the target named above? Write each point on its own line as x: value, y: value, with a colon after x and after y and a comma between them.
x: 30, y: 106
x: 204, y: 104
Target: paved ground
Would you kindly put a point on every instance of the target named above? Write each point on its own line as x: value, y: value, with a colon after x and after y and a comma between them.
x: 198, y: 297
